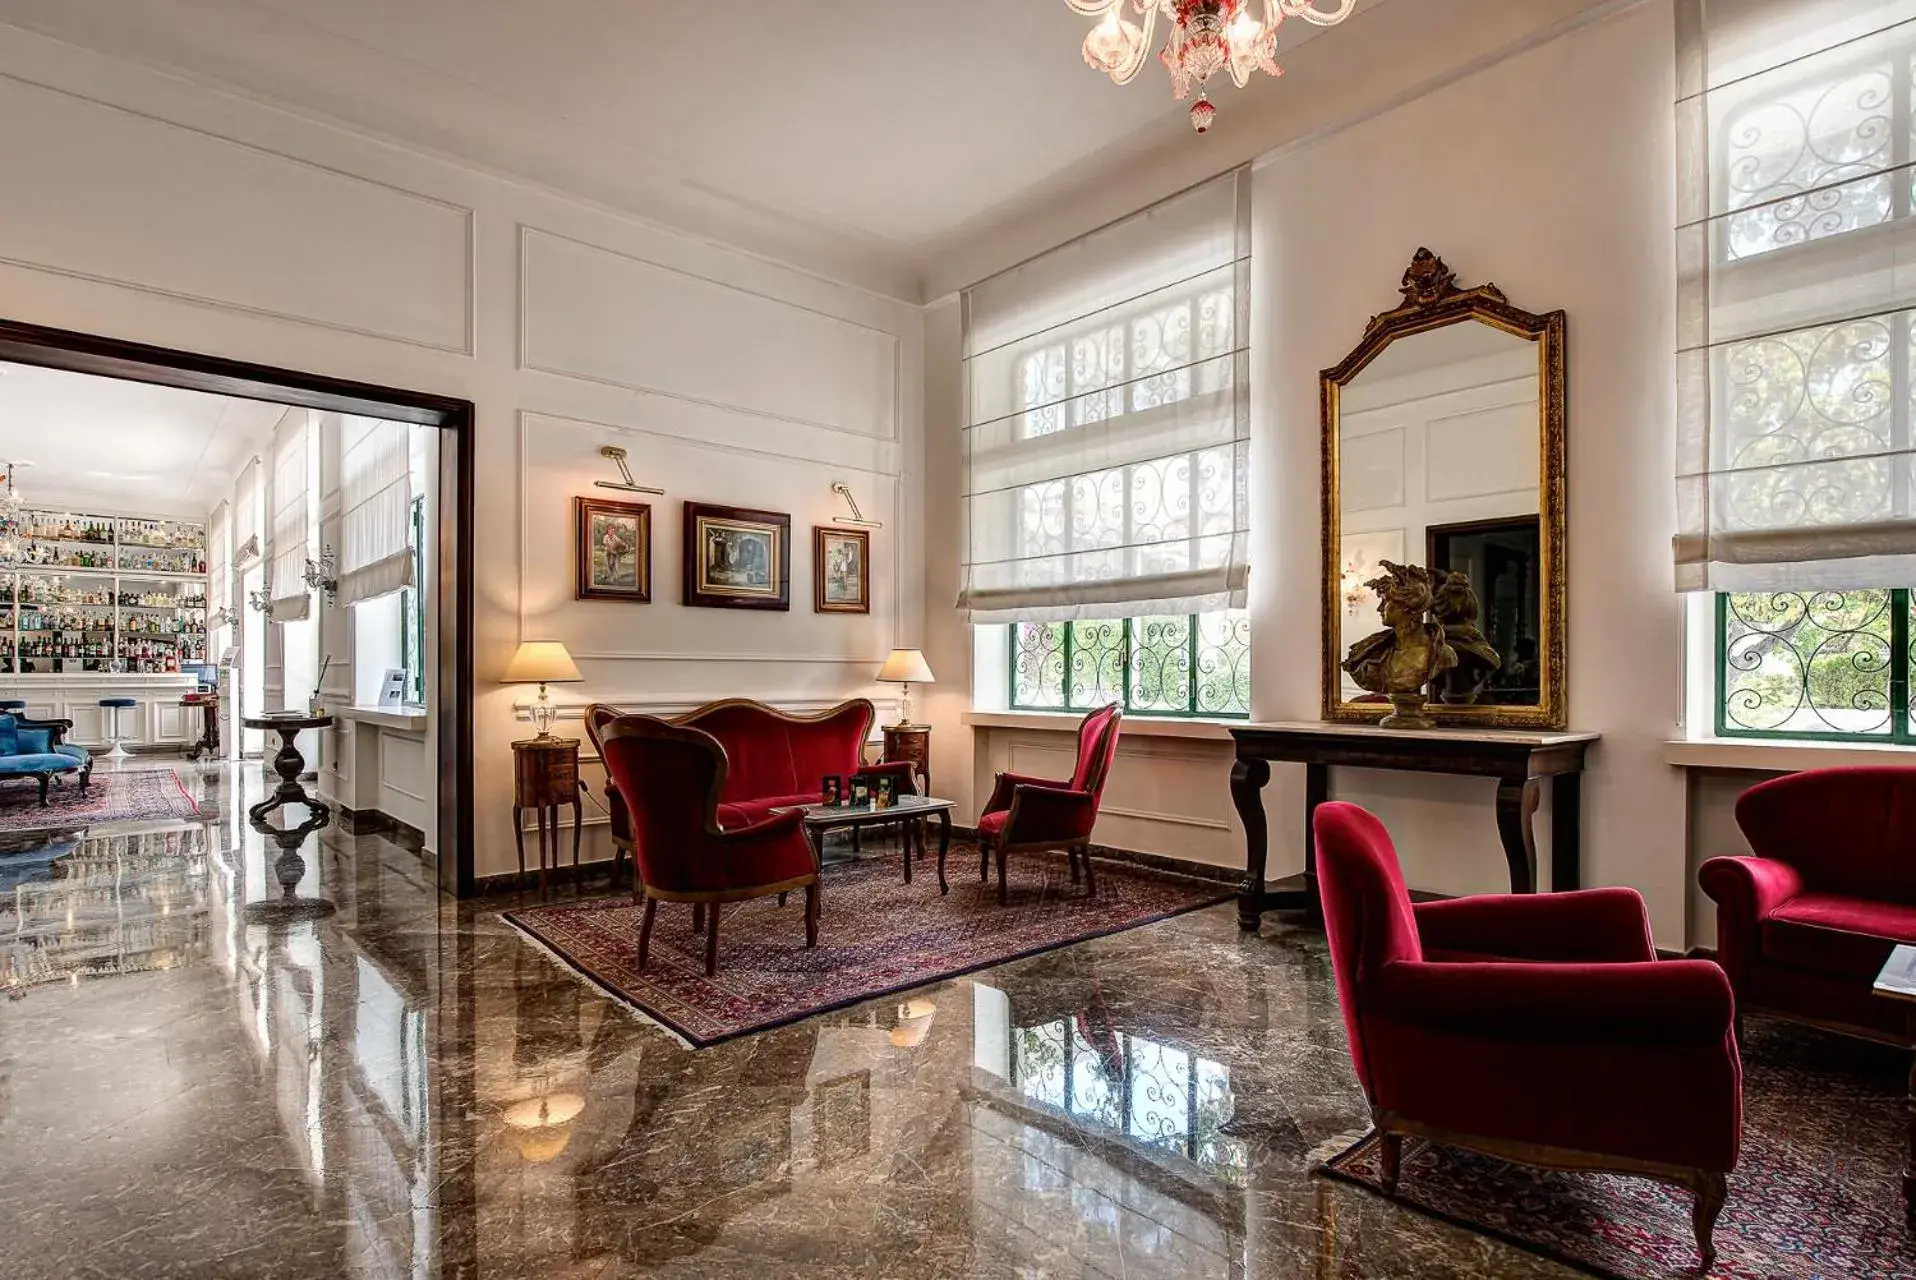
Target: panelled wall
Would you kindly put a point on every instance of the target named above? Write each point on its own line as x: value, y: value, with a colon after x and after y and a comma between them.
x: 142, y: 207
x: 1549, y: 173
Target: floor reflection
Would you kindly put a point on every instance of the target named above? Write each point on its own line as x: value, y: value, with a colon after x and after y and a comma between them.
x: 404, y: 1088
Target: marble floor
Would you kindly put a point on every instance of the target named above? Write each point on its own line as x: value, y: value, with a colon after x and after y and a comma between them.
x: 214, y: 1064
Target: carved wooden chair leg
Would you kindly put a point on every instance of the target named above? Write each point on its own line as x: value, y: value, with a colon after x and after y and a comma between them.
x: 781, y: 899
x: 1390, y: 1160
x: 984, y: 861
x: 645, y: 930
x: 698, y: 917
x: 1071, y: 859
x: 1004, y: 894
x: 1090, y: 877
x: 1712, y: 1189
x: 711, y: 943
x: 811, y: 915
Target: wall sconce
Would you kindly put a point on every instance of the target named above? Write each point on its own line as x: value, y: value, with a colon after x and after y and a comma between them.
x: 625, y: 483
x: 1351, y: 584
x: 323, y: 574
x: 857, y: 517
x: 261, y: 601
x: 222, y: 617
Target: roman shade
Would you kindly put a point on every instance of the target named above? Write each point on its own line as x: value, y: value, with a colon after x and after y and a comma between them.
x: 1797, y: 289
x: 292, y: 537
x: 246, y: 515
x: 219, y: 565
x: 376, y: 524
x: 1108, y: 419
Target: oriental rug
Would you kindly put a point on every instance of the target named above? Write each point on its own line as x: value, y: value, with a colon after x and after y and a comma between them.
x: 877, y: 935
x: 1817, y: 1191
x: 135, y: 795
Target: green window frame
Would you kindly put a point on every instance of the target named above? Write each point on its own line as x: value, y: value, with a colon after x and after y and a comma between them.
x: 1182, y: 666
x: 1825, y: 666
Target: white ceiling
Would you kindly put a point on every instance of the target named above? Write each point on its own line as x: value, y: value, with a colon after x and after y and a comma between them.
x: 107, y: 445
x: 910, y: 146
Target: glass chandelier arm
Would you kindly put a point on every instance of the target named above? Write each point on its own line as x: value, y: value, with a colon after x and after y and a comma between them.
x: 1308, y: 10
x: 1092, y: 8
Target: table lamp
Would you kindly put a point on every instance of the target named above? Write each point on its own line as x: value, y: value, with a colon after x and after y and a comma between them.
x: 905, y: 668
x: 541, y: 662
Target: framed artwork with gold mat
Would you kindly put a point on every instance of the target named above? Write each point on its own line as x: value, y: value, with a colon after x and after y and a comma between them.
x: 737, y: 557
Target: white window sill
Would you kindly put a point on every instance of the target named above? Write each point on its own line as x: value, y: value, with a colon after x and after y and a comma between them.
x: 1134, y: 725
x: 1779, y: 756
x: 405, y: 719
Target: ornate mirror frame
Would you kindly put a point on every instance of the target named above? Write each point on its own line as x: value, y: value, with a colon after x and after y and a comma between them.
x: 1433, y: 300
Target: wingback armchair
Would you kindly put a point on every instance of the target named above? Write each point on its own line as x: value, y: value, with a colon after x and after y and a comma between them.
x: 1026, y: 815
x: 1538, y: 1028
x: 1804, y: 926
x: 672, y: 776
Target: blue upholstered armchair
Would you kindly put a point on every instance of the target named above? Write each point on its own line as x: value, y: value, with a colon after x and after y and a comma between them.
x: 37, y: 749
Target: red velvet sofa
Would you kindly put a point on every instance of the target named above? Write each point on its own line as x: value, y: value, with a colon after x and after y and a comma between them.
x: 773, y: 758
x: 1539, y: 1028
x: 1804, y: 925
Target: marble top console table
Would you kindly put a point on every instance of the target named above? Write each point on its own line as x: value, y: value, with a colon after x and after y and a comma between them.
x: 1519, y: 761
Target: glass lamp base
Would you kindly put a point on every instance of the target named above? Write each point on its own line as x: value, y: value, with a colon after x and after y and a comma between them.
x: 543, y: 714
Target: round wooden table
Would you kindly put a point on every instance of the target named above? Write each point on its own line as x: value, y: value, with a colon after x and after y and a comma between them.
x: 289, y: 764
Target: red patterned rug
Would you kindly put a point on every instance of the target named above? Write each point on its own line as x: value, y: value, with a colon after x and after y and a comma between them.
x: 1817, y: 1192
x: 136, y: 795
x: 877, y: 935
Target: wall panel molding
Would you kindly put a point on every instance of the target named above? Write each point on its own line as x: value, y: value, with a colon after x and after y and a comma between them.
x: 182, y: 153
x: 758, y: 309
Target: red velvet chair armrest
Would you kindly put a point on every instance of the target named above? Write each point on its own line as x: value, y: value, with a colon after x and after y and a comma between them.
x: 899, y: 769
x: 1588, y: 925
x: 1751, y: 887
x: 766, y: 828
x: 1009, y: 782
x: 1041, y: 814
x: 1662, y: 1002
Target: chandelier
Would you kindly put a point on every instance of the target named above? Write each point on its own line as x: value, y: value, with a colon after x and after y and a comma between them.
x: 1207, y: 36
x: 12, y: 521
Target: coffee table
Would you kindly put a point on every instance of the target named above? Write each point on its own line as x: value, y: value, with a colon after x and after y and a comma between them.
x: 911, y: 811
x: 1897, y: 981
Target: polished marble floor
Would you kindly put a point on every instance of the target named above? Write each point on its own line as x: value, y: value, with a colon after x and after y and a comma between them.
x: 216, y: 1063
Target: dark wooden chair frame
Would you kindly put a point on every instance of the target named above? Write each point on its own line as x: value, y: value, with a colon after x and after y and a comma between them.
x: 1077, y: 852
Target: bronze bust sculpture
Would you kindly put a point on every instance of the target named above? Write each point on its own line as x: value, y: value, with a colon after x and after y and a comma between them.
x: 1400, y: 661
x: 1453, y: 606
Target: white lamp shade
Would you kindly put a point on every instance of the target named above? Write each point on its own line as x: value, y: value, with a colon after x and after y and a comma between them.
x: 541, y: 662
x: 906, y: 665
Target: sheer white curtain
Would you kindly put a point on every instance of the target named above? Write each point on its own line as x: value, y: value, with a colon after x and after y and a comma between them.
x: 246, y: 515
x: 1797, y: 257
x: 376, y: 525
x: 219, y: 577
x: 292, y: 536
x: 1108, y: 420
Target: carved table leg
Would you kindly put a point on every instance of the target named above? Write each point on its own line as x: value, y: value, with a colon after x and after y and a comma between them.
x: 1566, y: 832
x: 1248, y: 777
x: 1317, y: 789
x: 519, y: 837
x: 1516, y: 805
x: 944, y: 845
x: 578, y: 833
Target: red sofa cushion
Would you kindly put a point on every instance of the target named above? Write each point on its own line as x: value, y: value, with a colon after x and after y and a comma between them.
x: 1830, y: 933
x: 772, y: 760
x: 991, y: 825
x: 1848, y: 830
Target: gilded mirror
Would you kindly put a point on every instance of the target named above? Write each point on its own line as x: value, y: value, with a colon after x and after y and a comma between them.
x: 1443, y: 446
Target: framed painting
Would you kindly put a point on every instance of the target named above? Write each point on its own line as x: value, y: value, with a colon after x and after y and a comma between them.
x: 841, y: 570
x: 737, y: 558
x: 614, y: 560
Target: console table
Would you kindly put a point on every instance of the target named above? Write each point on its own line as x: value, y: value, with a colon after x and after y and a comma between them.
x: 1518, y: 760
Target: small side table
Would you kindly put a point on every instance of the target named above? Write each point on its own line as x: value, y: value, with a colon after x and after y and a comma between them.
x: 209, y: 709
x: 545, y: 776
x: 1897, y: 982
x: 912, y: 744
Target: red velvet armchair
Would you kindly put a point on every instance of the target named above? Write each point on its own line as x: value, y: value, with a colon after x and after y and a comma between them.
x: 1538, y: 1028
x: 774, y: 759
x: 673, y: 777
x: 1804, y: 926
x: 1027, y: 815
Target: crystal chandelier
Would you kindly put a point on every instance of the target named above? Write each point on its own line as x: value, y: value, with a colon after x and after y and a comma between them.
x: 1207, y: 36
x: 12, y: 522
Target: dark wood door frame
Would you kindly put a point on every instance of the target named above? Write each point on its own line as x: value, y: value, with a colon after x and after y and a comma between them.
x: 138, y: 362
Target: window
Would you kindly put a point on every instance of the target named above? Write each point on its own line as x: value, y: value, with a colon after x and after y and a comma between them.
x: 1832, y: 665
x: 412, y: 618
x: 1190, y: 665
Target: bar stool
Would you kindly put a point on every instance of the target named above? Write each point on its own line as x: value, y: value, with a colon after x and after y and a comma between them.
x: 113, y: 706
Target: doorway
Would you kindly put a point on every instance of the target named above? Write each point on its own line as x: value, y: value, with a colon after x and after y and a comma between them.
x: 449, y: 681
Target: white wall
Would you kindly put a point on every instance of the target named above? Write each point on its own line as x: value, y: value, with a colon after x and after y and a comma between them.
x: 1550, y: 174
x: 142, y: 207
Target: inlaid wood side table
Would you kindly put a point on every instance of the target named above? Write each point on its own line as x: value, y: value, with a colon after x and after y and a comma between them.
x: 1897, y: 982
x: 910, y: 743
x: 545, y: 775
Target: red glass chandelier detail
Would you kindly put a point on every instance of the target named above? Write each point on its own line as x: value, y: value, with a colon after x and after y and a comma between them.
x: 1206, y: 37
